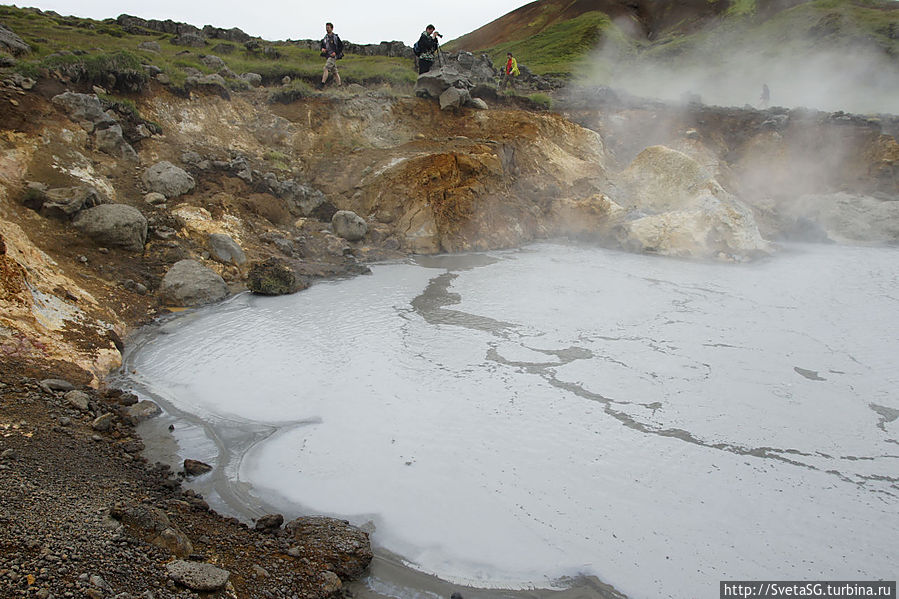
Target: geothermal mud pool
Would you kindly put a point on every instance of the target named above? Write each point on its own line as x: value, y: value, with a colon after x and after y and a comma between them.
x: 510, y: 419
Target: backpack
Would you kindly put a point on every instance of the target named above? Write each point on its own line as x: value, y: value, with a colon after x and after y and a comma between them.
x: 416, y: 49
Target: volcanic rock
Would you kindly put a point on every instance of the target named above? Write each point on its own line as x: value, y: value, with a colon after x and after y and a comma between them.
x: 189, y: 283
x: 167, y: 179
x: 114, y: 225
x: 349, y: 225
x: 274, y: 277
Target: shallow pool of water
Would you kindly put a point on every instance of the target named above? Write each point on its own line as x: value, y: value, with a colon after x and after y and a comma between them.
x: 508, y: 419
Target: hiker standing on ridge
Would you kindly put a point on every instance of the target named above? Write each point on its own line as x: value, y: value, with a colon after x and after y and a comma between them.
x: 765, y: 98
x: 510, y: 71
x: 332, y: 47
x: 425, y: 48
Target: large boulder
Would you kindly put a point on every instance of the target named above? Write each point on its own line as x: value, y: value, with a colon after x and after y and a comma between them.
x: 349, y: 225
x: 224, y: 249
x: 438, y: 80
x: 189, y: 283
x: 168, y: 179
x: 213, y: 62
x: 274, y: 277
x: 85, y: 109
x: 114, y: 225
x: 254, y: 79
x: 343, y: 547
x: 454, y: 98
x: 675, y: 207
x: 12, y: 43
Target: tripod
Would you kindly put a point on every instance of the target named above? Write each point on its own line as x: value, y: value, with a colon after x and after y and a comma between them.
x: 440, y: 61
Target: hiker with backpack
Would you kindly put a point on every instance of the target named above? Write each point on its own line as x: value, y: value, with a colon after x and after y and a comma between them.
x: 509, y: 72
x: 332, y: 48
x: 426, y: 49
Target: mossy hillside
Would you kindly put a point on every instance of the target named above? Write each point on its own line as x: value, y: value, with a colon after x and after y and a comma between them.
x: 566, y: 48
x: 820, y: 25
x: 94, y: 48
x: 558, y: 49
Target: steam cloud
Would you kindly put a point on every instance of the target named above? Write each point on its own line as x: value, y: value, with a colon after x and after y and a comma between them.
x: 729, y: 69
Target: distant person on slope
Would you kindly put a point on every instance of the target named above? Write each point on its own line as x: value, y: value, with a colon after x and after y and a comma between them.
x: 765, y: 98
x: 332, y: 48
x: 426, y: 48
x: 510, y: 71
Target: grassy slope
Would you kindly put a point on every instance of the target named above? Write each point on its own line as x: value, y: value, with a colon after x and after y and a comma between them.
x: 102, y: 40
x: 814, y: 25
x: 562, y: 47
x: 558, y: 49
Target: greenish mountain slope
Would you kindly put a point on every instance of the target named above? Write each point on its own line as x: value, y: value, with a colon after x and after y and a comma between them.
x: 559, y: 36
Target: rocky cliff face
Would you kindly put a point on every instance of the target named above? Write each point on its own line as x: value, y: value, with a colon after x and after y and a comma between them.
x: 97, y: 204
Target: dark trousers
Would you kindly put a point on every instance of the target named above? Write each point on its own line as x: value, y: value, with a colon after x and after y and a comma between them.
x: 424, y: 65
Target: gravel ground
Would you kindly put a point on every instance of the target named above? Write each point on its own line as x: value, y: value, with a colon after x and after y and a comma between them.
x: 62, y: 471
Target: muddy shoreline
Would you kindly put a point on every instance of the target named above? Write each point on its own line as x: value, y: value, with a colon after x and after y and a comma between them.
x: 388, y: 574
x: 61, y: 477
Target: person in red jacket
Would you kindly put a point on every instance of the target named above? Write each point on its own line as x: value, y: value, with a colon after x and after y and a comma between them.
x: 510, y: 71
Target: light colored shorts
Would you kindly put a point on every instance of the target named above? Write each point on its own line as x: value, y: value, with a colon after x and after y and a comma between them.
x: 331, y: 64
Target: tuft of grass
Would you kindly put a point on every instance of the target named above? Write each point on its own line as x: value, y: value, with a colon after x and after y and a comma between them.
x: 740, y: 8
x: 27, y: 69
x: 297, y: 90
x: 122, y: 68
x: 277, y: 160
x: 543, y: 100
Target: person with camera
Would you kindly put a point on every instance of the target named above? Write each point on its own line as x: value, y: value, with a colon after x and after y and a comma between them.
x: 332, y: 48
x: 427, y: 49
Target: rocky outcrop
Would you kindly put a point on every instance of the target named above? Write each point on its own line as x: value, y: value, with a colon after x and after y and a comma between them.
x: 12, y: 43
x: 674, y: 207
x: 345, y: 548
x: 189, y: 283
x: 168, y: 179
x: 232, y: 35
x: 116, y: 225
x: 85, y: 109
x: 189, y: 39
x: 392, y: 49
